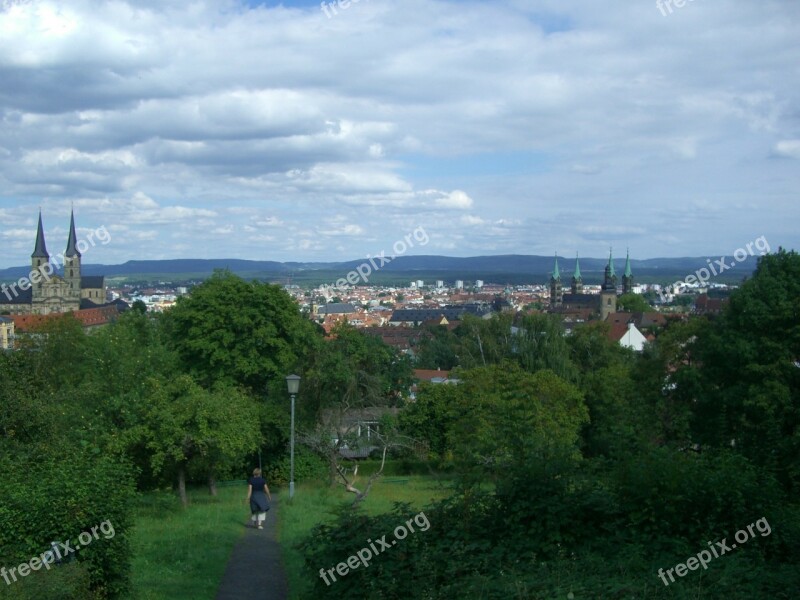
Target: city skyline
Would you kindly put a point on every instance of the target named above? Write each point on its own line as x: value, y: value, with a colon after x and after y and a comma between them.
x: 280, y: 132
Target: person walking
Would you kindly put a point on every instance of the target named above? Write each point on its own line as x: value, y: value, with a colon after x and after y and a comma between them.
x: 257, y: 495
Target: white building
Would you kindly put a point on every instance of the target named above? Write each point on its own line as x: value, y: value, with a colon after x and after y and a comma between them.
x: 628, y: 336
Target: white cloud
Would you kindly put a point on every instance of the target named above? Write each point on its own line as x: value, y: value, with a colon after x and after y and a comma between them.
x: 472, y: 221
x: 788, y: 148
x: 455, y: 199
x: 178, y: 119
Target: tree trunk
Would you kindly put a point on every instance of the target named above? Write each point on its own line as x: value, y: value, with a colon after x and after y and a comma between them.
x: 333, y: 466
x: 361, y: 496
x: 212, y: 484
x: 182, y: 485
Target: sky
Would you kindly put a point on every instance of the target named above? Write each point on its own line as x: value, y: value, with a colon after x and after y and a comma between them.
x: 293, y: 131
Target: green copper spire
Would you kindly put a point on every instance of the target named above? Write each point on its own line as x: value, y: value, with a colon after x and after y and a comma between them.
x: 556, y: 272
x: 611, y: 264
x: 577, y: 274
x: 628, y: 265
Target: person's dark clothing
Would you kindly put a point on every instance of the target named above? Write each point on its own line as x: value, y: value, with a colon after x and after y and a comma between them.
x: 258, y: 499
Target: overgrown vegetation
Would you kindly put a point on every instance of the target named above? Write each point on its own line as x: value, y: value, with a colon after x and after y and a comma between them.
x: 606, y: 466
x: 577, y: 466
x: 149, y: 402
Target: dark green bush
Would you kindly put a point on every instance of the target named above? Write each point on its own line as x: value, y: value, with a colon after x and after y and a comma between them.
x: 56, y: 492
x: 307, y: 466
x: 399, y: 466
x: 596, y: 530
x: 68, y: 582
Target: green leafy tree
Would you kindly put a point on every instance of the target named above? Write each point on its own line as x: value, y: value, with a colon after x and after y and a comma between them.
x: 633, y: 303
x: 54, y: 349
x: 619, y: 421
x: 185, y: 426
x: 505, y: 416
x: 57, y: 479
x: 352, y: 374
x: 535, y: 342
x: 239, y: 332
x: 139, y: 307
x: 668, y: 381
x: 437, y: 348
x: 750, y: 376
x: 431, y: 416
x: 354, y: 370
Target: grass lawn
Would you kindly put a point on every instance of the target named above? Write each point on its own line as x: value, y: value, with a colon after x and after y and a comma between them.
x: 181, y: 553
x: 313, y: 504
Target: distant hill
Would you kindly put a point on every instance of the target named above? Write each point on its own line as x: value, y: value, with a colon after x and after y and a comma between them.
x: 511, y: 268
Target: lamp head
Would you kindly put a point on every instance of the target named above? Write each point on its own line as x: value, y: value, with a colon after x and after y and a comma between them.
x: 293, y: 384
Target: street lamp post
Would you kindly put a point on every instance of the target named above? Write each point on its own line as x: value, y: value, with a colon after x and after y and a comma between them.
x: 293, y: 383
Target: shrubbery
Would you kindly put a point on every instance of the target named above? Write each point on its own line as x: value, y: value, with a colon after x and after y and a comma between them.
x: 55, y: 492
x: 598, y: 531
x: 307, y: 465
x: 67, y: 582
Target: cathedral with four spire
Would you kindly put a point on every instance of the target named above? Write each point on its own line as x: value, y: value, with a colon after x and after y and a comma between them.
x: 603, y: 303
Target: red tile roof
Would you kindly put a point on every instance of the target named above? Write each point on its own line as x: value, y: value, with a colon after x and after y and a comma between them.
x: 88, y: 317
x: 430, y: 374
x: 617, y: 331
x: 26, y: 323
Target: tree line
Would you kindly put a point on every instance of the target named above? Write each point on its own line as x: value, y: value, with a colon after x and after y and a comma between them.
x: 580, y: 466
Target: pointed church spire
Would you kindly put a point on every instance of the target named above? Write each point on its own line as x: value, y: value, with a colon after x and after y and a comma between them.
x: 611, y: 263
x: 556, y: 291
x: 627, y: 278
x: 72, y: 240
x: 628, y: 265
x: 40, y: 250
x: 577, y: 281
x: 610, y: 279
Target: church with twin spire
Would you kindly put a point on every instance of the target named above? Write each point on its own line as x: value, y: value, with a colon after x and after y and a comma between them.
x: 603, y: 303
x: 56, y: 284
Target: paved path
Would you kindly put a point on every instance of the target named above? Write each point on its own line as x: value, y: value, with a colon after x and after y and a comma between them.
x: 255, y: 570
